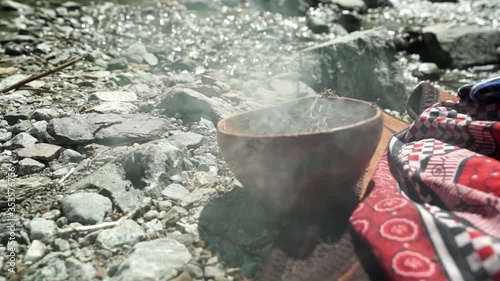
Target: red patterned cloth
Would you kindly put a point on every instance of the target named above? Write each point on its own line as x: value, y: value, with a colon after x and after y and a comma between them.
x: 434, y: 210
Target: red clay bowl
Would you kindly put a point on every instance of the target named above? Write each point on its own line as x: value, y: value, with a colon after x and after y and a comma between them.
x: 302, y: 154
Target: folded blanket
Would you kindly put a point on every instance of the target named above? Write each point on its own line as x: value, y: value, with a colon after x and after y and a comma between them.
x: 434, y: 210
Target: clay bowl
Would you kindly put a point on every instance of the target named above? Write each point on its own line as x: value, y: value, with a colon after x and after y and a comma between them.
x: 301, y: 155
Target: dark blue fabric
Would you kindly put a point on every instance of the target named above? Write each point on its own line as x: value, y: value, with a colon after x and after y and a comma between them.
x: 482, y: 91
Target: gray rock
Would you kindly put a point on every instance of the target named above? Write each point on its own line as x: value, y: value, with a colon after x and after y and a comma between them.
x: 21, y: 126
x: 354, y: 5
x: 35, y: 252
x: 117, y: 64
x: 135, y: 53
x: 150, y: 215
x: 185, y: 65
x: 61, y: 245
x: 62, y: 221
x: 43, y: 230
x: 54, y: 269
x: 213, y: 270
x: 191, y: 106
x: 150, y: 59
x: 451, y: 45
x: 40, y: 151
x: 164, y: 205
x: 52, y: 215
x: 44, y: 114
x: 428, y: 71
x: 194, y: 270
x: 85, y: 128
x: 126, y: 233
x: 28, y: 166
x: 379, y: 3
x: 175, y: 191
x: 86, y: 208
x: 80, y: 271
x: 186, y: 139
x: 20, y: 140
x: 160, y: 259
x: 11, y: 80
x: 350, y: 21
x: 361, y: 65
x: 39, y: 131
x: 208, y: 90
x: 116, y: 96
x: 5, y: 136
x: 70, y: 156
x: 25, y: 186
x: 13, y: 117
x: 184, y: 238
x: 115, y: 107
x: 13, y: 6
x: 112, y: 180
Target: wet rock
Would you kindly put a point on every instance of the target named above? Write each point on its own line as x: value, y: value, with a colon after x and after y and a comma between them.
x: 126, y: 233
x: 191, y: 106
x: 213, y: 270
x: 13, y: 49
x: 80, y: 271
x: 175, y: 192
x: 450, y: 45
x: 135, y: 53
x: 115, y: 107
x: 117, y: 96
x: 194, y: 270
x: 184, y: 64
x: 61, y: 245
x: 356, y: 64
x: 378, y: 3
x: 20, y: 140
x: 40, y: 151
x: 186, y: 139
x: 151, y: 59
x: 44, y: 114
x: 43, y: 230
x: 13, y: 117
x: 117, y: 64
x: 208, y: 90
x: 86, y: 208
x: 112, y: 180
x: 52, y: 215
x: 29, y: 166
x: 35, y: 252
x: 87, y: 128
x: 70, y: 156
x: 350, y: 21
x: 427, y: 71
x: 353, y: 5
x: 160, y: 259
x: 318, y: 25
x: 200, y: 5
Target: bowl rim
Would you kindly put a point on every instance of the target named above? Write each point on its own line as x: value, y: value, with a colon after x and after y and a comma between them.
x: 377, y: 115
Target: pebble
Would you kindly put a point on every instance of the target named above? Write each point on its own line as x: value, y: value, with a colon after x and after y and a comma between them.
x: 35, y: 252
x: 61, y: 245
x: 43, y: 230
x: 13, y: 117
x: 150, y: 59
x: 5, y: 136
x: 86, y: 208
x: 117, y: 64
x: 52, y: 215
x: 45, y: 114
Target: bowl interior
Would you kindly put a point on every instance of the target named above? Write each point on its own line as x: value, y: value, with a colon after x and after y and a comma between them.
x: 304, y: 116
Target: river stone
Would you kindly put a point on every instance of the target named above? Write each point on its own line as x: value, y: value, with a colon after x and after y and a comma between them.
x: 361, y: 65
x: 126, y: 233
x: 450, y: 45
x: 353, y: 5
x: 135, y: 53
x: 86, y: 208
x: 80, y: 271
x: 116, y: 96
x: 70, y: 156
x: 175, y: 191
x: 187, y: 139
x: 156, y: 260
x: 44, y: 114
x: 29, y: 166
x: 115, y: 107
x: 85, y: 128
x: 40, y: 151
x: 43, y: 230
x: 35, y: 251
x: 117, y: 63
x: 191, y: 106
x: 20, y: 140
x: 5, y: 136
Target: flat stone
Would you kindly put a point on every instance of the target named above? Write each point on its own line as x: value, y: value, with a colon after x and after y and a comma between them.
x: 80, y: 271
x: 61, y: 245
x: 156, y: 260
x: 21, y: 126
x: 28, y: 166
x: 188, y: 139
x: 21, y: 140
x: 150, y: 59
x: 43, y: 230
x: 13, y: 117
x: 86, y: 128
x: 39, y: 131
x: 175, y: 191
x: 117, y: 64
x: 5, y: 136
x: 126, y: 233
x: 86, y: 208
x: 40, y: 151
x: 115, y: 107
x: 44, y: 114
x: 35, y: 252
x: 11, y: 80
x: 70, y: 156
x: 116, y: 96
x: 25, y: 187
x: 135, y: 53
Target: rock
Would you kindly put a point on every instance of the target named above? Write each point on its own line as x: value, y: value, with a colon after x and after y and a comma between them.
x: 44, y: 114
x: 13, y: 49
x: 116, y: 96
x: 150, y: 59
x: 361, y: 65
x: 117, y: 64
x: 150, y: 215
x: 191, y: 106
x: 80, y: 271
x: 352, y: 5
x: 160, y: 259
x: 61, y: 245
x: 28, y: 166
x: 135, y: 53
x: 115, y: 107
x: 350, y: 21
x: 184, y: 238
x: 186, y: 139
x: 213, y: 270
x: 175, y: 191
x: 126, y: 233
x: 54, y: 269
x: 13, y: 117
x: 184, y: 64
x: 13, y: 6
x: 20, y: 140
x: 371, y: 4
x: 285, y: 7
x: 318, y: 25
x: 85, y: 128
x: 184, y: 276
x: 35, y: 252
x: 455, y: 46
x: 43, y: 230
x: 5, y: 136
x: 427, y: 71
x: 441, y: 1
x: 52, y: 215
x: 194, y: 270
x: 86, y: 208
x: 39, y: 131
x: 21, y: 126
x: 40, y: 151
x: 70, y: 156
